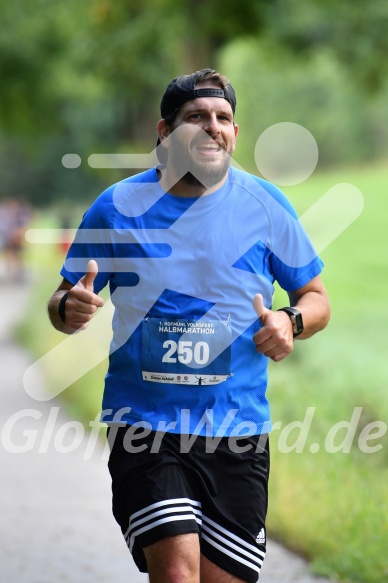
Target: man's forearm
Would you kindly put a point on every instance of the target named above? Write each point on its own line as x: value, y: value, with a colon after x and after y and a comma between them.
x: 315, y: 309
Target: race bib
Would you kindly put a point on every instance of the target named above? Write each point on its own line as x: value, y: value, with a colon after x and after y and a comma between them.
x: 169, y: 358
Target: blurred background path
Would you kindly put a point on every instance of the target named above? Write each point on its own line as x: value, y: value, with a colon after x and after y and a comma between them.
x: 56, y: 522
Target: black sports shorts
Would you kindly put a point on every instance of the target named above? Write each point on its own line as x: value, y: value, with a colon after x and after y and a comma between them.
x: 164, y: 485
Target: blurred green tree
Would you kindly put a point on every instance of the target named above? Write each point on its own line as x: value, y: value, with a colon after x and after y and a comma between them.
x: 83, y: 77
x: 355, y: 30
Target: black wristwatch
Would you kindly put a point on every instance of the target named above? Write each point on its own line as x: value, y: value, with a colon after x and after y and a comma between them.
x: 296, y: 320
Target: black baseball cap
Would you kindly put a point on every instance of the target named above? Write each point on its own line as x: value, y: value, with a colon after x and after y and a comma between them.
x: 182, y: 89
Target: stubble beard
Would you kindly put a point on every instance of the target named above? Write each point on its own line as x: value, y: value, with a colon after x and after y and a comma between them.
x: 206, y: 175
x: 203, y: 174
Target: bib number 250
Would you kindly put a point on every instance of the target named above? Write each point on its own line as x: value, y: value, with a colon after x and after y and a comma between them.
x: 186, y: 352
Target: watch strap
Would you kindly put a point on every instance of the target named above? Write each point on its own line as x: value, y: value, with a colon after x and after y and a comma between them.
x: 296, y: 319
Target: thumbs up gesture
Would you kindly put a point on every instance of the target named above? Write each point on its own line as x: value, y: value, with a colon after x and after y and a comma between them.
x: 82, y: 302
x: 87, y: 281
x: 275, y: 337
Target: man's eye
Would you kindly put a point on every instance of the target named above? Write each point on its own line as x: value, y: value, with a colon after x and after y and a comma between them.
x: 195, y: 116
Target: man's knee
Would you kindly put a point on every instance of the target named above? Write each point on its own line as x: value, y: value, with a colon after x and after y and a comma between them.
x: 174, y: 559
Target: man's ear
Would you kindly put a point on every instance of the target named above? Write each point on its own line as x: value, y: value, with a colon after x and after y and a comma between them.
x: 163, y: 132
x: 236, y: 128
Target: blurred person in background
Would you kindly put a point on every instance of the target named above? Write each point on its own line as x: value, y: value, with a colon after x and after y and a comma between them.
x: 15, y: 216
x: 66, y: 234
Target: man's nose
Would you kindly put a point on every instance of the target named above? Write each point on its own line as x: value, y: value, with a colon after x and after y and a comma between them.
x: 211, y: 125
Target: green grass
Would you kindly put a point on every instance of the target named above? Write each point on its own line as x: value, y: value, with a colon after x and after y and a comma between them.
x: 333, y: 507
x: 330, y: 507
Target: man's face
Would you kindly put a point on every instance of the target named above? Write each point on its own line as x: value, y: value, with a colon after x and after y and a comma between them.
x: 202, y: 140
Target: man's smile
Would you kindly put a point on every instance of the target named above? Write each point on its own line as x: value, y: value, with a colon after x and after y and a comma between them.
x: 209, y: 148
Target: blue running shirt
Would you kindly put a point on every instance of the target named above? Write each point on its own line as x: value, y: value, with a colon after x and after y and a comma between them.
x: 182, y: 274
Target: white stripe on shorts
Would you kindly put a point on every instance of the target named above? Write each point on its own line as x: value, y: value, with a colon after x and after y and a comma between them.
x: 191, y: 508
x: 226, y: 546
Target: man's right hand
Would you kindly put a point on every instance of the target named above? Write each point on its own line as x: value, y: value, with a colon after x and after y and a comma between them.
x: 81, y: 303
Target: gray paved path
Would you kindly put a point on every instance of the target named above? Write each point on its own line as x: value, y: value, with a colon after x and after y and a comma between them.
x: 56, y: 523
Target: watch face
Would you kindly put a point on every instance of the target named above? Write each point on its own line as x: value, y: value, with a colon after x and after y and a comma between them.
x: 298, y: 329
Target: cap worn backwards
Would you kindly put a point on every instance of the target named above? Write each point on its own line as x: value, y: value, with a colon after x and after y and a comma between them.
x: 182, y: 89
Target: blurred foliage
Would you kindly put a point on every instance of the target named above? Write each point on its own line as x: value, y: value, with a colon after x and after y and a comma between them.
x: 315, y: 91
x: 355, y: 29
x: 88, y: 77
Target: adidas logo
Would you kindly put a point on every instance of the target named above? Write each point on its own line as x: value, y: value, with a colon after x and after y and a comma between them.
x: 260, y: 539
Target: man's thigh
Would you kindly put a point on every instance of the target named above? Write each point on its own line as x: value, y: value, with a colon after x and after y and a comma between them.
x: 179, y: 557
x: 211, y: 573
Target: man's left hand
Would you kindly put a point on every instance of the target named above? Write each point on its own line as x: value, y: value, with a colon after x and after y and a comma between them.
x: 275, y: 338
